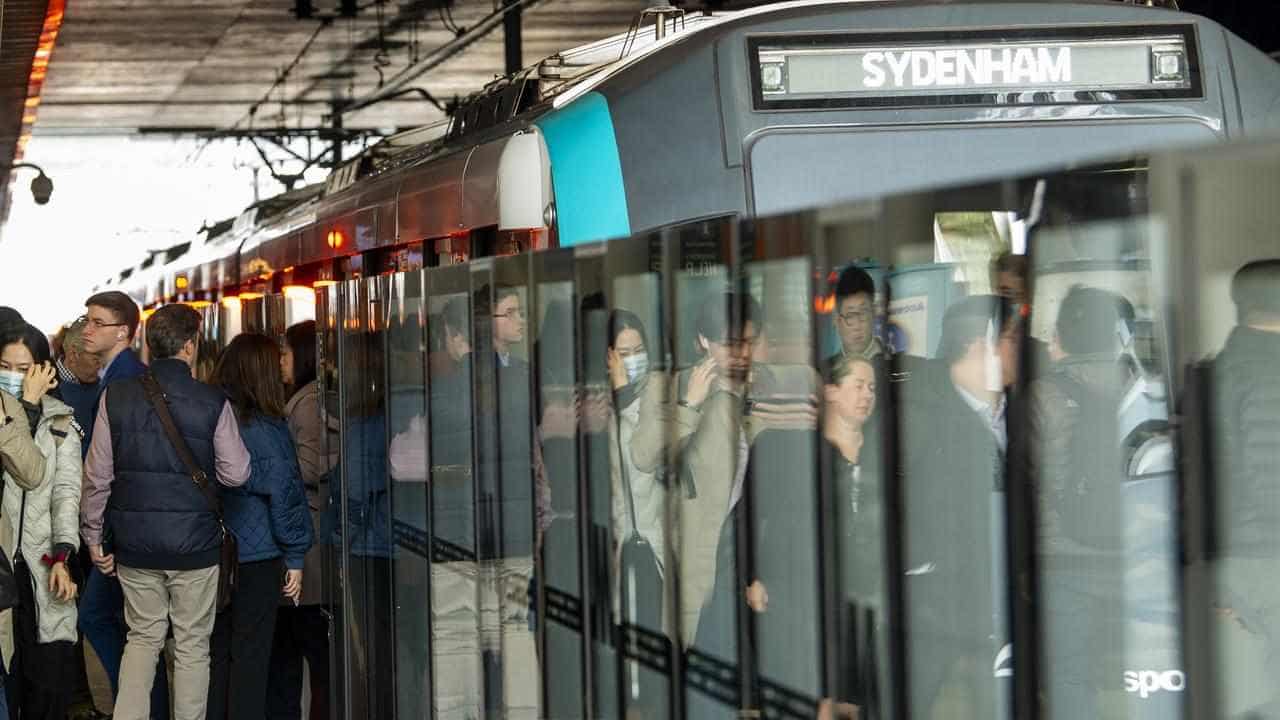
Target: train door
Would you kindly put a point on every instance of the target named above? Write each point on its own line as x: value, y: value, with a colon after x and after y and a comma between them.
x: 456, y: 583
x: 407, y: 464
x: 554, y: 321
x: 363, y: 494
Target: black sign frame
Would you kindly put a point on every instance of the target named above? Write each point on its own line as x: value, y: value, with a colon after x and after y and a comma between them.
x: 1030, y: 96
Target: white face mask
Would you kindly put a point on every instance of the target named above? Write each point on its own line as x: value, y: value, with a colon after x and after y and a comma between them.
x: 11, y: 382
x: 636, y: 365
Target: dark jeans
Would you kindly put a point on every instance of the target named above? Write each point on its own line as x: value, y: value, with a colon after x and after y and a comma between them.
x: 241, y: 644
x: 102, y: 622
x: 301, y: 633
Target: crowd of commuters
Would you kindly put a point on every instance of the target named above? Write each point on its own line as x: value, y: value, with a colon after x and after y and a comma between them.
x: 124, y: 482
x: 116, y: 522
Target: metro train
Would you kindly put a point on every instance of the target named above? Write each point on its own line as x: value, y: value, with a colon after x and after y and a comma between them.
x: 691, y: 154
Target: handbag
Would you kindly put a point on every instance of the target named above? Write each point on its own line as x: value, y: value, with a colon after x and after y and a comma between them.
x: 641, y: 574
x: 229, y: 560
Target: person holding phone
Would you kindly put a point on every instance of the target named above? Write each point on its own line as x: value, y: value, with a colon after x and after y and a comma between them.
x: 42, y: 535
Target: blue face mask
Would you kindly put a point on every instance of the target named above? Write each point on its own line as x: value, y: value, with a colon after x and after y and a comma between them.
x: 11, y: 382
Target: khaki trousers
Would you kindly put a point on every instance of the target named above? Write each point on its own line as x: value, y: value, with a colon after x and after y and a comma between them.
x: 153, y: 599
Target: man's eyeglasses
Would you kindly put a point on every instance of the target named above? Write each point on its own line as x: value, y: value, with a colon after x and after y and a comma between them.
x: 854, y: 316
x: 97, y: 324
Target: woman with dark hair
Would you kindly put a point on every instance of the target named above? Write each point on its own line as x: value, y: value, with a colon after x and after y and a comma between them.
x: 41, y: 535
x: 301, y: 631
x: 268, y: 515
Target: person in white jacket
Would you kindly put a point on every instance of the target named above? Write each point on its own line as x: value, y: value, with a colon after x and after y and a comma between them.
x: 41, y: 534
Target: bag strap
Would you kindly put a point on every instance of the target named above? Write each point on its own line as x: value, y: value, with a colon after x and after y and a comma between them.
x: 161, y: 405
x: 626, y: 475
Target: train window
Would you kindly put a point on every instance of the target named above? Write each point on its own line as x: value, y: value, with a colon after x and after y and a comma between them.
x: 407, y: 465
x: 457, y: 666
x: 329, y: 533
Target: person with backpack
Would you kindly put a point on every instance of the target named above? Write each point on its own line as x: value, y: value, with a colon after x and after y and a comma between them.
x: 162, y: 445
x: 41, y: 536
x: 1076, y: 463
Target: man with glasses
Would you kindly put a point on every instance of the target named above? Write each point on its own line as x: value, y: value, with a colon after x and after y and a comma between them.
x: 110, y: 322
x: 855, y: 316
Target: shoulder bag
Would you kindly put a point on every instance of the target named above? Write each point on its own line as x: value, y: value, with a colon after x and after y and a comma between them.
x: 229, y: 561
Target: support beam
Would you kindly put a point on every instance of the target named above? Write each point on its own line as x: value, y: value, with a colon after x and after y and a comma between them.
x: 513, y: 44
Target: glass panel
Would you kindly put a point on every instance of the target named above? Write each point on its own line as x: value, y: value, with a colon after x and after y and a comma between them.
x: 857, y: 479
x: 1224, y: 285
x: 366, y: 510
x: 633, y: 350
x: 701, y: 410
x: 455, y: 580
x: 556, y: 370
x: 779, y: 590
x: 328, y: 338
x: 514, y: 473
x: 407, y: 463
x: 1100, y: 452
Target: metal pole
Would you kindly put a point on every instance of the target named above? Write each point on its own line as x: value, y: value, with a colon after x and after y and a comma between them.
x: 512, y: 43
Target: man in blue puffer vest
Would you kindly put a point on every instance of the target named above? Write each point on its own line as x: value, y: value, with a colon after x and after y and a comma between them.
x: 166, y: 537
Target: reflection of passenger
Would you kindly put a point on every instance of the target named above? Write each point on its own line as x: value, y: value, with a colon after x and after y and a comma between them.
x: 706, y: 426
x: 638, y: 507
x: 1077, y: 467
x: 855, y: 315
x: 952, y: 444
x: 851, y: 444
x: 1246, y: 390
x: 1009, y: 278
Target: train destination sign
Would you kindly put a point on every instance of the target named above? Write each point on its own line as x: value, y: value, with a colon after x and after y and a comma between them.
x: 875, y: 71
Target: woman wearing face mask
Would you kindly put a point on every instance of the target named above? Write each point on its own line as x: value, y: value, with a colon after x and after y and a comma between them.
x: 41, y: 534
x: 639, y: 502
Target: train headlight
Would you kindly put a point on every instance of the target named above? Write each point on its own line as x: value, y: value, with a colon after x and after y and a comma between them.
x: 1168, y: 65
x: 773, y: 77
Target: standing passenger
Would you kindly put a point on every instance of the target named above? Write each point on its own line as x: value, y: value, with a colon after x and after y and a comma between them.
x: 111, y: 321
x: 302, y: 632
x: 42, y: 538
x: 271, y: 522
x: 855, y: 316
x: 164, y: 532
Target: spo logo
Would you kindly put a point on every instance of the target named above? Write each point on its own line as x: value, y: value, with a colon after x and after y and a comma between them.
x: 1148, y: 682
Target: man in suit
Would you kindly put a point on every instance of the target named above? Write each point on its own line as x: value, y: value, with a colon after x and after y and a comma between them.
x: 952, y: 443
x: 111, y: 322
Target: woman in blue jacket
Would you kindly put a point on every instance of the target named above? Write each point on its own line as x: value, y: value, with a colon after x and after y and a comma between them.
x: 271, y: 523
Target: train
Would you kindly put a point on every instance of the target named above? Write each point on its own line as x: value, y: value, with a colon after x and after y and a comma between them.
x: 766, y: 151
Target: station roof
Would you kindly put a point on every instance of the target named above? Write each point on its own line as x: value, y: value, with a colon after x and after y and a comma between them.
x: 204, y: 65
x: 23, y: 24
